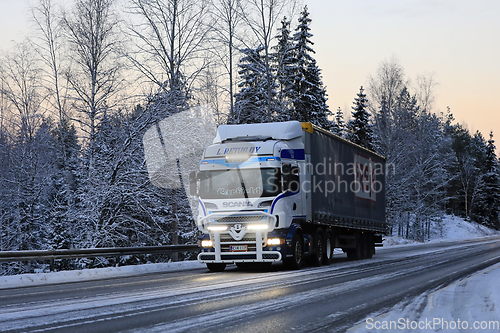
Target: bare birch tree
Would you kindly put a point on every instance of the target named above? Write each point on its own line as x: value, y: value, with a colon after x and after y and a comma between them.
x: 91, y: 28
x: 49, y: 45
x: 169, y: 41
x: 228, y: 18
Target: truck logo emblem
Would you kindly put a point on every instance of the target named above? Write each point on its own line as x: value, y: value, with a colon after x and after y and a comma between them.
x: 237, y: 231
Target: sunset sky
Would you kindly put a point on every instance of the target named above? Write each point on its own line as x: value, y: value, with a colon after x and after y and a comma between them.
x: 455, y: 40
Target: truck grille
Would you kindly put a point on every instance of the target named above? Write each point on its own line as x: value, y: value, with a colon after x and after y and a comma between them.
x: 249, y: 237
x: 239, y: 218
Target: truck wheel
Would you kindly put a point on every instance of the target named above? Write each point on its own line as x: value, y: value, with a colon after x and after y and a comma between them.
x: 329, y: 248
x: 319, y: 248
x: 296, y: 261
x: 216, y: 267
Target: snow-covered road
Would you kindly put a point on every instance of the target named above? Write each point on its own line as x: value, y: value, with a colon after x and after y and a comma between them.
x: 470, y: 304
x: 329, y: 298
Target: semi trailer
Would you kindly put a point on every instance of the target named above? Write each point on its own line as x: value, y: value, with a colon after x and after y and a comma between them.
x: 290, y: 192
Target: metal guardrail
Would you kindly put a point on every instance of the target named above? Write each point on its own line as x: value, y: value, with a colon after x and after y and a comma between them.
x: 6, y: 256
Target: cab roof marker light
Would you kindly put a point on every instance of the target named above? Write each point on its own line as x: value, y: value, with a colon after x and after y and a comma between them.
x: 271, y: 159
x: 257, y: 227
x: 217, y: 228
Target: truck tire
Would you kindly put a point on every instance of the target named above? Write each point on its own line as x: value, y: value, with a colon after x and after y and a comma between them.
x: 296, y: 261
x: 329, y: 248
x: 216, y: 267
x: 319, y: 248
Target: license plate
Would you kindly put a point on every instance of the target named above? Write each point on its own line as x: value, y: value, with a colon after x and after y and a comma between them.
x: 238, y: 248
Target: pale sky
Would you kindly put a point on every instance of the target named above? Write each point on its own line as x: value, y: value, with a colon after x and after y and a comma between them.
x: 456, y: 40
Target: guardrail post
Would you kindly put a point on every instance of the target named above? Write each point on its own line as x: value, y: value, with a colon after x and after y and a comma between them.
x: 52, y: 266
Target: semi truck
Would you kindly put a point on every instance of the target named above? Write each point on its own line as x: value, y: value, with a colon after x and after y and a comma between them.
x: 290, y: 192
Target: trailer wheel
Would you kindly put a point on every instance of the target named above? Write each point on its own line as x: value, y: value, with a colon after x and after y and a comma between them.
x: 216, y: 267
x: 329, y: 248
x: 298, y: 253
x: 319, y: 248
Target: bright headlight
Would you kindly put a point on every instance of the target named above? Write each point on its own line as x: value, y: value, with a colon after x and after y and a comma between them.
x: 217, y: 228
x: 207, y: 243
x: 275, y: 241
x: 257, y: 226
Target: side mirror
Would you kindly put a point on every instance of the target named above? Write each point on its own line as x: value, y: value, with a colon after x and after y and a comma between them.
x: 193, y: 178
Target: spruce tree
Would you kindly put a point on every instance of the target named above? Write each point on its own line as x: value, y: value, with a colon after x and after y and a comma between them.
x: 491, y: 180
x: 339, y: 127
x: 308, y: 93
x: 284, y: 60
x: 251, y: 100
x: 359, y: 129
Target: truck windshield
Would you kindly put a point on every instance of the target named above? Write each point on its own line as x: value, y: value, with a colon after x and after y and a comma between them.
x: 240, y: 183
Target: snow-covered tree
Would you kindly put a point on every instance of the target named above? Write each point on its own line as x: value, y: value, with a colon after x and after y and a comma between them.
x: 251, y: 100
x: 261, y: 18
x: 169, y: 42
x: 339, y: 126
x: 489, y: 190
x: 91, y: 29
x: 308, y: 93
x: 228, y: 19
x: 284, y: 71
x: 359, y: 128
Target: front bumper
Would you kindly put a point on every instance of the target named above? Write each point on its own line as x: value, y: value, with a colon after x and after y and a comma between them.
x: 240, y: 231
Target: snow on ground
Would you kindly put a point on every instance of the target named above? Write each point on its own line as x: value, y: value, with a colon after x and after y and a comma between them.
x: 35, y: 279
x: 449, y: 228
x: 470, y: 305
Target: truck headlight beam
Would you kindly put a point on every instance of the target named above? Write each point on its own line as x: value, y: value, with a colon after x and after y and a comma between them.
x: 257, y: 227
x: 217, y: 228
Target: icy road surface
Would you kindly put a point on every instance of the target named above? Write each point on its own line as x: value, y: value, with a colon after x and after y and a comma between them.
x: 468, y: 305
x: 325, y: 299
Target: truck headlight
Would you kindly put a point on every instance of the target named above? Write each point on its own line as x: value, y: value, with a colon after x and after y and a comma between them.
x: 257, y: 227
x: 207, y: 243
x: 217, y: 228
x: 275, y: 241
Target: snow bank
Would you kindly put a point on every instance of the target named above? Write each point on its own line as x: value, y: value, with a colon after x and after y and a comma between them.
x: 24, y: 280
x: 471, y: 305
x: 449, y: 228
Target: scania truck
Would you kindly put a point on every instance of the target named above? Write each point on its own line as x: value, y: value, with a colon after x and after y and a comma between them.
x: 290, y: 192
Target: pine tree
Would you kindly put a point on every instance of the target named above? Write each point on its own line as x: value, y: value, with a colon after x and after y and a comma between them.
x: 308, y: 93
x: 339, y: 127
x: 284, y: 61
x: 491, y: 188
x: 251, y: 100
x: 359, y: 129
